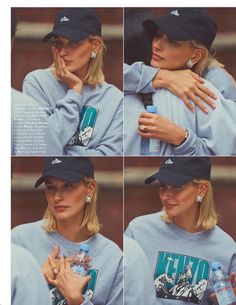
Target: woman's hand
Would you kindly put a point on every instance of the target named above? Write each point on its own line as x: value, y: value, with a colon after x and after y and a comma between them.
x: 70, y: 284
x: 232, y: 280
x: 156, y: 126
x: 62, y: 72
x: 186, y: 85
x: 46, y: 268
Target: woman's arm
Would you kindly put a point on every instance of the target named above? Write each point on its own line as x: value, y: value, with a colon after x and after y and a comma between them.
x: 212, y: 134
x: 139, y: 78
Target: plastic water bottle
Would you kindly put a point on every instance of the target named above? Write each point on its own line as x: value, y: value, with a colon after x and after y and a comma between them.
x: 81, y: 262
x: 221, y: 285
x: 150, y: 147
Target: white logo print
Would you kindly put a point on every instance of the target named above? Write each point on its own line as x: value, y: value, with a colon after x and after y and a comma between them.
x: 176, y: 13
x: 64, y: 19
x: 55, y: 161
x: 169, y: 161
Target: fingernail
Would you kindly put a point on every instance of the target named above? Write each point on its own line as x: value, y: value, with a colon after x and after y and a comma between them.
x: 206, y: 110
x: 214, y: 106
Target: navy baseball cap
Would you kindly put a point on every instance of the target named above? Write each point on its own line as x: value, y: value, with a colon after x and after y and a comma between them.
x: 69, y: 169
x: 177, y: 171
x: 75, y: 24
x: 182, y: 24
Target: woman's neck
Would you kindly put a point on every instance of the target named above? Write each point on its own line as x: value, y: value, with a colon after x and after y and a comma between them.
x: 72, y: 232
x: 187, y: 223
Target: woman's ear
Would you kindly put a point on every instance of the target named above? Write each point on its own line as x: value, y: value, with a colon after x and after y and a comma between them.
x: 202, y: 189
x: 198, y: 54
x: 91, y: 187
x: 96, y: 45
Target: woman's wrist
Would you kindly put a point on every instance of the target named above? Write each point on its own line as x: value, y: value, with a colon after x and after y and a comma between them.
x: 161, y: 79
x: 180, y: 136
x: 75, y: 300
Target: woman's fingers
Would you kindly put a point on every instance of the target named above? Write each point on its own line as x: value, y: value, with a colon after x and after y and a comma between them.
x: 62, y: 263
x: 50, y: 280
x: 207, y: 91
x: 53, y: 265
x: 55, y: 251
x: 232, y: 279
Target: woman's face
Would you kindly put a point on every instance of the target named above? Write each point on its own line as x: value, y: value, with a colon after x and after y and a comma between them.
x: 170, y: 55
x: 66, y: 200
x: 76, y: 55
x: 179, y: 201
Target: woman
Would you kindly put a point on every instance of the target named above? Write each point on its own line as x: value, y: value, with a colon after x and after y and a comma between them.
x: 179, y: 131
x: 183, y: 240
x: 71, y: 219
x: 85, y: 111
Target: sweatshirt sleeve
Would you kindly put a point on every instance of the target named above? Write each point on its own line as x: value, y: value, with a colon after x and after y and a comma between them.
x: 110, y: 144
x: 138, y: 78
x: 216, y: 132
x: 64, y: 118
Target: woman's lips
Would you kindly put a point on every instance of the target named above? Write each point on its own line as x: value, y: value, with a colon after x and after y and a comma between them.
x: 156, y: 57
x: 60, y: 208
x: 169, y: 206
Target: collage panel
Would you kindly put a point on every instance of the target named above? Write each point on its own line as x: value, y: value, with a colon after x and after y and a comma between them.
x: 179, y: 81
x: 63, y: 60
x: 67, y: 215
x: 179, y: 212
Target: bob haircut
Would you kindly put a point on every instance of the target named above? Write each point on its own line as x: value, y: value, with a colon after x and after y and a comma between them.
x: 90, y: 220
x: 206, y: 62
x: 207, y: 214
x: 94, y: 75
x: 137, y: 40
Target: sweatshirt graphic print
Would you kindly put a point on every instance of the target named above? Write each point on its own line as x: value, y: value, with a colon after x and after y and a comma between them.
x: 86, y: 127
x: 181, y: 277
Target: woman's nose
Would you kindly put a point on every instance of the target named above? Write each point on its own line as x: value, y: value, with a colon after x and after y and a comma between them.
x: 157, y: 43
x: 58, y: 196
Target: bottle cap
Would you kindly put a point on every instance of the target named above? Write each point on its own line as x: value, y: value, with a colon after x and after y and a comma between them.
x: 84, y: 247
x: 215, y: 266
x: 151, y: 109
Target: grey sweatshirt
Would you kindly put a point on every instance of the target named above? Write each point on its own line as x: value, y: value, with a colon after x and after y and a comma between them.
x: 90, y: 123
x: 209, y: 134
x: 106, y: 286
x: 180, y: 261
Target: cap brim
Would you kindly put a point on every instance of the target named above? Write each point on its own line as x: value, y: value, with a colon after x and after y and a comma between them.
x: 168, y: 27
x: 71, y: 34
x: 62, y: 175
x: 169, y: 178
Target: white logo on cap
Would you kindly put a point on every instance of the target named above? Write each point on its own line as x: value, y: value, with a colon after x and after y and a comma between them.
x: 64, y: 19
x: 176, y: 13
x: 55, y: 161
x: 169, y: 161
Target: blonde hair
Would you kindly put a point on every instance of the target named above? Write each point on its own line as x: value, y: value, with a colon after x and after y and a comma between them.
x: 207, y: 214
x: 94, y: 75
x: 90, y: 220
x: 206, y: 62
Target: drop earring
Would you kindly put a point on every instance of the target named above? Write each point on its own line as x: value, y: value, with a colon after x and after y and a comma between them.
x: 88, y: 199
x: 189, y: 63
x: 199, y: 199
x: 93, y: 55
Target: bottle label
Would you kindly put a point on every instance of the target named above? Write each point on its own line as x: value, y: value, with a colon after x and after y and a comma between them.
x: 224, y: 292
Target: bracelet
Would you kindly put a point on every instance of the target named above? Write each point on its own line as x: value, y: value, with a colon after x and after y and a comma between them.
x: 185, y: 137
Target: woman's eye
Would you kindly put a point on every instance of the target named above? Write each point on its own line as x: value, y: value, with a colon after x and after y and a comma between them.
x: 68, y: 185
x: 50, y: 188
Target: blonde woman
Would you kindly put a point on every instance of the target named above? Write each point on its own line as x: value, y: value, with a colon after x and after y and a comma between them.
x: 84, y: 110
x: 180, y: 40
x: 183, y: 240
x: 69, y: 221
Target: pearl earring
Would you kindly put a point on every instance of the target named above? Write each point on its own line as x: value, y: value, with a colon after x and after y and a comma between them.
x: 199, y: 198
x: 88, y: 199
x: 189, y: 63
x: 93, y: 55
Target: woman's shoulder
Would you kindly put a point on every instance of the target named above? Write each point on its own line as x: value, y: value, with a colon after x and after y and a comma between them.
x: 146, y: 220
x: 220, y: 236
x: 39, y: 74
x: 106, y: 244
x: 27, y: 228
x: 110, y: 88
